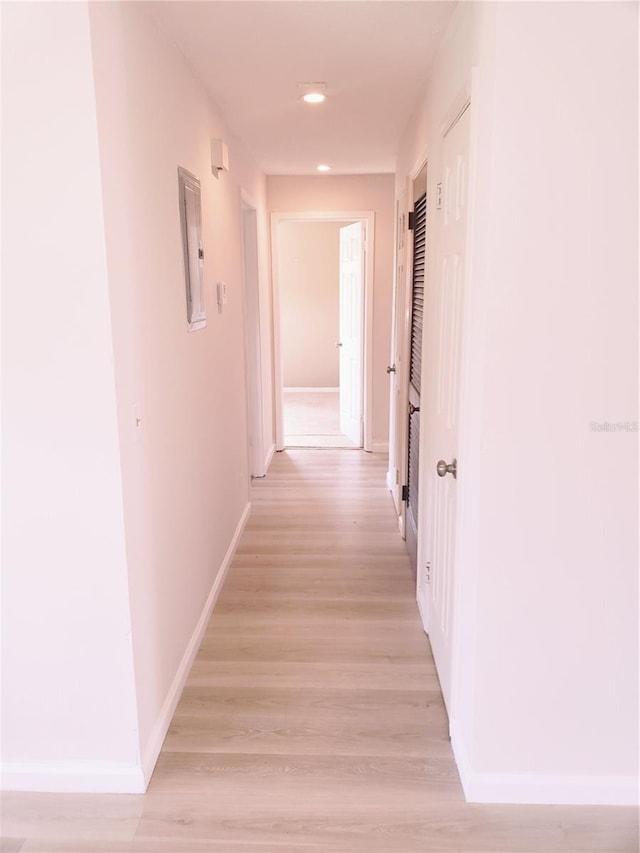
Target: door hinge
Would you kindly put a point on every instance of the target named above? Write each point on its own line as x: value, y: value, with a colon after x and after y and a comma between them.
x: 412, y: 220
x: 405, y: 493
x: 427, y: 573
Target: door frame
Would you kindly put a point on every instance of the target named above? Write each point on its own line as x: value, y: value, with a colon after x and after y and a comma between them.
x: 396, y: 353
x: 367, y: 217
x: 401, y: 440
x: 252, y: 335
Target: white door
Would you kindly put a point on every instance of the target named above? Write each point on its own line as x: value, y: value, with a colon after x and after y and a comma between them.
x: 350, y: 331
x: 397, y: 402
x: 435, y: 582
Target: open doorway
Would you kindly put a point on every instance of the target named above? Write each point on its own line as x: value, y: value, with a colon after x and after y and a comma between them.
x: 252, y: 342
x: 321, y: 275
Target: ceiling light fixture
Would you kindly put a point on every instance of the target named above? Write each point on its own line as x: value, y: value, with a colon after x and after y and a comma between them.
x: 313, y: 93
x: 323, y: 167
x: 314, y: 98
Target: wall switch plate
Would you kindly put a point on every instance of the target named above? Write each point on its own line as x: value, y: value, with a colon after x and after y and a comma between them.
x: 221, y: 293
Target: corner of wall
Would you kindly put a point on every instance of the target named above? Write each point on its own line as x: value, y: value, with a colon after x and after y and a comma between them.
x: 151, y: 750
x: 536, y: 788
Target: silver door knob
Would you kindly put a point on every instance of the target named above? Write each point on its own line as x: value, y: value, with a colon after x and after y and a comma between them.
x: 443, y: 469
x: 338, y: 344
x: 391, y: 369
x: 413, y: 409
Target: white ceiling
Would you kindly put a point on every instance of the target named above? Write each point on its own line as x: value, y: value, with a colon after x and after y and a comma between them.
x: 374, y: 56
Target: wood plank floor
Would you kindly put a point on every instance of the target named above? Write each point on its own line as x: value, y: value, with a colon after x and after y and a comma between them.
x: 312, y: 419
x: 312, y: 718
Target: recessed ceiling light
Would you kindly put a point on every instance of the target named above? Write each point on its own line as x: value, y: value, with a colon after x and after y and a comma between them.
x: 323, y: 167
x: 313, y: 93
x: 314, y: 98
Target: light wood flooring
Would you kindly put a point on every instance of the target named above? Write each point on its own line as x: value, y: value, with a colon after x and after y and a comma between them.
x: 312, y: 718
x: 312, y: 419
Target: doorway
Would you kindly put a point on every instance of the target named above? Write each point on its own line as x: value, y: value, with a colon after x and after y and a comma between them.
x: 322, y: 274
x: 253, y: 338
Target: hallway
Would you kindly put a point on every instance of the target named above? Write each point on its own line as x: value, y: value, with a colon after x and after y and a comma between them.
x: 312, y: 718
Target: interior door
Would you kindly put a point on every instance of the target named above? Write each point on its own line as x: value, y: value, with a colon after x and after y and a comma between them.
x: 418, y: 224
x: 397, y: 390
x: 351, y: 324
x: 253, y: 356
x: 436, y: 581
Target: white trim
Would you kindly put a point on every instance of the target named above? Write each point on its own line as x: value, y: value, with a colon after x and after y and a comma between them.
x: 278, y: 382
x: 73, y: 777
x: 270, y: 453
x: 403, y: 363
x: 541, y: 789
x: 418, y: 166
x: 457, y: 107
x: 367, y: 344
x: 397, y: 352
x: 158, y: 734
x: 398, y: 234
x: 248, y: 199
x: 252, y: 326
x: 380, y: 447
x: 311, y: 390
x: 423, y: 609
x: 368, y: 218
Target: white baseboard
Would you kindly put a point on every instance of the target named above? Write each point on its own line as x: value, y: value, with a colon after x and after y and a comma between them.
x: 380, y: 447
x: 312, y: 390
x: 538, y: 789
x: 73, y: 777
x: 390, y: 483
x: 270, y: 453
x: 111, y: 777
x: 154, y: 744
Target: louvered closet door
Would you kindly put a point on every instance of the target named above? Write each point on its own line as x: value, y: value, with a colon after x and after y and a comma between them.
x: 419, y: 221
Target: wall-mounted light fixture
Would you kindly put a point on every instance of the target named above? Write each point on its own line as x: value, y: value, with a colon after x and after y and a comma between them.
x: 219, y: 157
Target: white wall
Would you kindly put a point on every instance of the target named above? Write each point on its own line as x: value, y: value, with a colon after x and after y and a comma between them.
x: 557, y: 607
x: 115, y: 539
x: 309, y: 290
x: 186, y: 478
x: 355, y: 193
x: 547, y: 655
x: 68, y: 704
